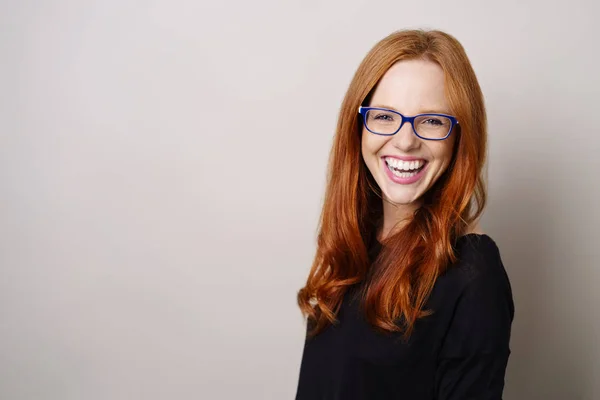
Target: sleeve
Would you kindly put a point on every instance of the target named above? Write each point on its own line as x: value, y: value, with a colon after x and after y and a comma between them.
x: 474, y: 354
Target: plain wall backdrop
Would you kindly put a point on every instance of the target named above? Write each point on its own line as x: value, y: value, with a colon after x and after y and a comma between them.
x: 163, y: 167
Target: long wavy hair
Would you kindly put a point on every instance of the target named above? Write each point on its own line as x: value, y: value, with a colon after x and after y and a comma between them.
x: 401, y: 278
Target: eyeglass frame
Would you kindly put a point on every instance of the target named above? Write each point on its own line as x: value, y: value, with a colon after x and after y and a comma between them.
x: 363, y: 111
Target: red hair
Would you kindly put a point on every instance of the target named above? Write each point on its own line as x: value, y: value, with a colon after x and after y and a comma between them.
x: 412, y: 258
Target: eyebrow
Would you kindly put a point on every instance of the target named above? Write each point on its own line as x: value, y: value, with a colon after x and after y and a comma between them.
x: 423, y: 111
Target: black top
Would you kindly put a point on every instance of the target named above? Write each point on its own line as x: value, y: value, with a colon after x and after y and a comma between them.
x: 459, y: 352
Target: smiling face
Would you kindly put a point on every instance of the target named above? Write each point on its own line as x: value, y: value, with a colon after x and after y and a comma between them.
x: 410, y: 87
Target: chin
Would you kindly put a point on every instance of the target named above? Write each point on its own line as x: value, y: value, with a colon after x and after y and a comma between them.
x: 402, y: 196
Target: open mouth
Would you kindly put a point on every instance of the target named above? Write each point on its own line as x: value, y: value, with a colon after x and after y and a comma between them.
x: 405, y: 169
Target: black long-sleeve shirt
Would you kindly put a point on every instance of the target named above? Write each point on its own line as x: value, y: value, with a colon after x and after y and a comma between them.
x: 460, y: 352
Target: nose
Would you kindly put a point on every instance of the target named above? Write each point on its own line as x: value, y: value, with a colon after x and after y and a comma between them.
x: 405, y: 139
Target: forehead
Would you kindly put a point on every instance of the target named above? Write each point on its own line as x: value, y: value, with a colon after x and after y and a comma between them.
x: 411, y: 87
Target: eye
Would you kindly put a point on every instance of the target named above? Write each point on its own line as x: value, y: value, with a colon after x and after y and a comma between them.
x: 382, y: 116
x: 433, y: 121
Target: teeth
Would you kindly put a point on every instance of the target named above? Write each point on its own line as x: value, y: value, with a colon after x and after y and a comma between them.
x: 404, y: 174
x: 404, y: 165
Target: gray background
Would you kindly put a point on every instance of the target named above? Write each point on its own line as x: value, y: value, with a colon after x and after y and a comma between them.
x: 162, y: 172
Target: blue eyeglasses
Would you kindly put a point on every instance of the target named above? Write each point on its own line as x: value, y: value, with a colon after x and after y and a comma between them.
x: 382, y: 121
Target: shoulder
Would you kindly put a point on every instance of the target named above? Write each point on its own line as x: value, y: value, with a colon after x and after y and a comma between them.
x: 477, y: 285
x: 479, y: 268
x: 480, y: 265
x: 478, y: 257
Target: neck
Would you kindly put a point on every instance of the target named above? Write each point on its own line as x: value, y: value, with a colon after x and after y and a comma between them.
x: 395, y: 217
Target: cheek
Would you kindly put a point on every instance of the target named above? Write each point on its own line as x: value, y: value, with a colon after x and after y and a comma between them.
x: 443, y: 152
x: 370, y: 144
x: 367, y: 147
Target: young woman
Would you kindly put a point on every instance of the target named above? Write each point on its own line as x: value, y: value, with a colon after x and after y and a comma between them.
x: 407, y: 298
